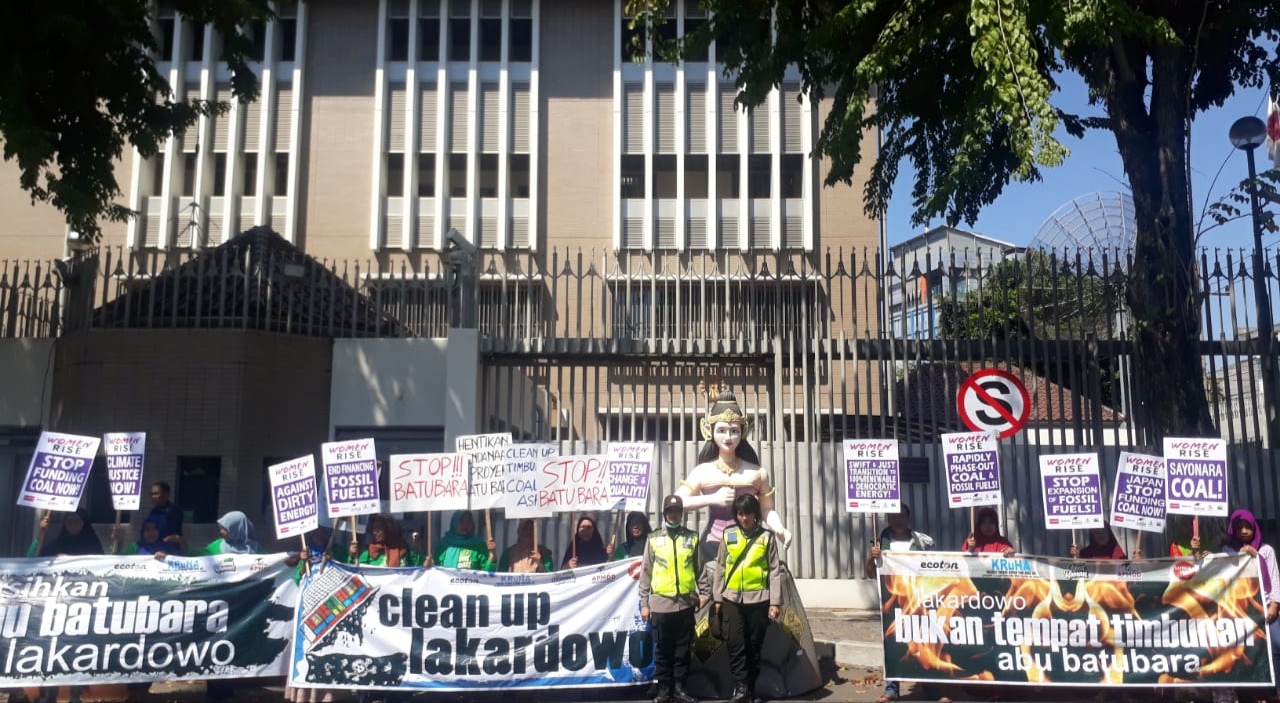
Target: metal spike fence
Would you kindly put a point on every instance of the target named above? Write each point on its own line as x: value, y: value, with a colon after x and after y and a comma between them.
x: 586, y: 347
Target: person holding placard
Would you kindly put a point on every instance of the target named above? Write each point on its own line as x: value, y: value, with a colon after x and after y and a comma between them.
x: 384, y: 545
x: 524, y: 557
x: 638, y: 530
x: 76, y: 538
x: 986, y: 537
x: 1244, y: 537
x: 150, y: 541
x: 728, y: 467
x: 747, y: 593
x: 462, y: 548
x: 587, y: 548
x: 670, y: 593
x: 1102, y: 545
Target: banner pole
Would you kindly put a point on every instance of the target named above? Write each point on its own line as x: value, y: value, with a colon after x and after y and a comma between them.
x: 488, y: 522
x: 430, y: 551
x: 973, y: 526
x: 1075, y: 539
x: 536, y: 551
x: 573, y: 534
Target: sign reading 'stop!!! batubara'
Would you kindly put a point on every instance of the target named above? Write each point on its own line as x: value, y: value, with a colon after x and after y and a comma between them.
x: 1197, y: 476
x: 125, y: 458
x: 1071, y: 485
x: 58, y: 471
x: 872, y: 478
x: 972, y: 461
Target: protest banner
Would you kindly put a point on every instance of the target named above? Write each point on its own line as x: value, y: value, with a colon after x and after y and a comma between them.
x: 572, y: 483
x: 428, y: 482
x: 520, y: 495
x: 972, y: 463
x: 126, y: 452
x: 294, y: 500
x: 98, y: 619
x: 487, y: 456
x: 1061, y: 622
x: 459, y: 630
x: 1140, y: 495
x: 351, y: 477
x: 630, y: 466
x: 1197, y: 476
x: 1071, y: 485
x: 872, y: 477
x: 58, y: 471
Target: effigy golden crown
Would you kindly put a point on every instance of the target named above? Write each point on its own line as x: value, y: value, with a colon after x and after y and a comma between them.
x: 728, y: 415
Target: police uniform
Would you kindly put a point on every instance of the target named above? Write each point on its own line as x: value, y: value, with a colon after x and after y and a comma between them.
x: 750, y: 582
x: 670, y: 589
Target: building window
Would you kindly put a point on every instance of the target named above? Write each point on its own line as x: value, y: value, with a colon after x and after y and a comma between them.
x: 167, y: 22
x: 519, y: 168
x: 491, y: 39
x: 726, y: 175
x: 395, y: 175
x: 521, y: 32
x: 197, y: 489
x: 759, y: 176
x: 258, y: 40
x: 488, y: 175
x: 428, y: 37
x: 282, y: 173
x: 664, y: 176
x: 188, y: 174
x: 792, y: 176
x: 398, y: 39
x: 632, y: 176
x: 695, y: 176
x: 219, y: 174
x: 458, y: 175
x: 459, y: 30
x: 156, y: 162
x: 250, y: 184
x: 426, y: 175
x: 634, y: 42
x: 288, y: 38
x: 197, y: 43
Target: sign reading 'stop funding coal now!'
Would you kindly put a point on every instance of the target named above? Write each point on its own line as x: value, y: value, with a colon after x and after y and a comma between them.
x: 58, y: 471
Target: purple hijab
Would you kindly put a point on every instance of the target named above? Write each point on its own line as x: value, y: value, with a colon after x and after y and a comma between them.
x: 1237, y: 544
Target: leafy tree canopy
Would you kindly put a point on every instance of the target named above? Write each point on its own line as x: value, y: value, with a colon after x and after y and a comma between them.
x: 78, y: 82
x: 964, y: 90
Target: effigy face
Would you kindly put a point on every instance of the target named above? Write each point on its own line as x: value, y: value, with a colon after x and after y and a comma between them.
x: 727, y: 436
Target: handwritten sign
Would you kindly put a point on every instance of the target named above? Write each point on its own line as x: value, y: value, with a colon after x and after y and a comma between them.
x: 58, y: 471
x: 572, y: 483
x: 1071, y: 485
x: 125, y: 458
x: 294, y: 498
x: 1140, y: 499
x: 1197, y: 476
x: 630, y: 465
x: 872, y: 478
x: 520, y: 495
x: 487, y: 454
x: 972, y: 463
x: 350, y: 477
x: 428, y: 482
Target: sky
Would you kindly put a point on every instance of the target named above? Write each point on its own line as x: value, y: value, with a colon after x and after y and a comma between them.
x: 1094, y: 165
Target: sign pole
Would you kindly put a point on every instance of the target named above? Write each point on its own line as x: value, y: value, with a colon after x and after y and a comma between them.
x: 44, y: 526
x: 573, y: 534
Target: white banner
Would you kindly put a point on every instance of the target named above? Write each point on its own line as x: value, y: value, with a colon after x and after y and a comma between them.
x: 487, y: 455
x: 126, y: 456
x: 58, y: 471
x: 427, y: 482
x: 520, y: 498
x: 573, y: 483
x: 458, y: 630
x: 295, y: 501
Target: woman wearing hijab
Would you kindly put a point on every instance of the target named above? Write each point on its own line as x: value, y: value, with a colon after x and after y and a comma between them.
x: 385, y: 545
x: 1244, y: 537
x: 1102, y: 545
x: 150, y: 541
x: 462, y: 548
x: 638, y: 530
x: 986, y: 539
x: 587, y: 548
x: 76, y: 538
x: 522, y: 557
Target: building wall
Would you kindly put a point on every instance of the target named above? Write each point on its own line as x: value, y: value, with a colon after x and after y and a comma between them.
x: 389, y: 383
x: 242, y: 396
x: 28, y: 370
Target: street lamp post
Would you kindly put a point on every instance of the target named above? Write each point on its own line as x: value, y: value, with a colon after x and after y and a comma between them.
x: 1247, y: 134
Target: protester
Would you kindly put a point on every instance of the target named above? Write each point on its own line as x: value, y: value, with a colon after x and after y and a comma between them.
x: 150, y: 541
x: 587, y: 548
x: 899, y: 536
x: 1102, y: 545
x: 748, y: 594
x: 1244, y: 537
x: 385, y: 545
x: 987, y: 538
x: 162, y: 505
x: 638, y: 530
x: 462, y: 548
x: 523, y: 557
x: 76, y: 538
x: 669, y: 594
x: 1186, y: 544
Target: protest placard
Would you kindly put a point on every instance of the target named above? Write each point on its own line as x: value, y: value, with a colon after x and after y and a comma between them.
x: 428, y: 482
x: 58, y: 471
x: 630, y: 466
x: 872, y: 478
x: 1139, y: 500
x: 520, y: 496
x: 573, y: 483
x: 972, y: 463
x: 487, y: 456
x: 126, y: 453
x: 1071, y: 485
x: 294, y: 499
x: 351, y: 477
x: 1197, y: 476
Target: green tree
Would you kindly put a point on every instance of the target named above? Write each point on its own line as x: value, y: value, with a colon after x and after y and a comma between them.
x: 964, y: 89
x: 78, y: 82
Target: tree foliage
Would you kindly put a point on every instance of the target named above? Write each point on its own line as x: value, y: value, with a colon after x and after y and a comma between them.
x: 79, y: 82
x: 965, y: 89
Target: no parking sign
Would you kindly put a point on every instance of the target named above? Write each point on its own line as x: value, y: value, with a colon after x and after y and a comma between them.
x: 992, y: 400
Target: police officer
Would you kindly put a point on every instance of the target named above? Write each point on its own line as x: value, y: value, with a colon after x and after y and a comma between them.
x: 748, y: 593
x: 670, y: 593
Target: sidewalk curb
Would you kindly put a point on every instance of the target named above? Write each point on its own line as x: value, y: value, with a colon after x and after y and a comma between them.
x: 847, y: 653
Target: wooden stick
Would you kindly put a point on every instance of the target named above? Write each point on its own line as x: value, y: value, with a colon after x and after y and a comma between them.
x: 618, y: 523
x: 40, y: 534
x: 306, y: 554
x: 1075, y: 539
x: 573, y: 534
x: 536, y: 551
x: 1195, y: 527
x: 430, y: 552
x: 117, y: 518
x: 333, y: 532
x: 973, y: 525
x: 1137, y: 547
x: 488, y: 522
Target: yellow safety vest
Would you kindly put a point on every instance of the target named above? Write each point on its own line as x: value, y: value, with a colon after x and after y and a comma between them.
x: 753, y: 573
x: 674, y: 571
